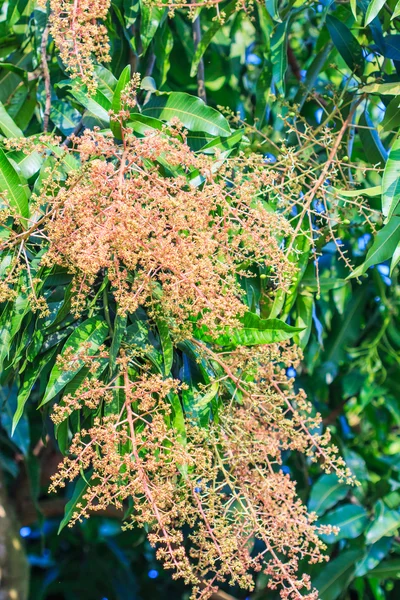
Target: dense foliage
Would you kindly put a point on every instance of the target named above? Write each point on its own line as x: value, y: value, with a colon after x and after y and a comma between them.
x: 200, y: 233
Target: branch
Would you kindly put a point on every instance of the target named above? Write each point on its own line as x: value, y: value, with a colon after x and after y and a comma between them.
x: 201, y: 89
x: 46, y: 78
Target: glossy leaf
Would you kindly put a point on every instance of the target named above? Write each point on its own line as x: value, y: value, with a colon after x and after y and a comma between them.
x: 346, y: 44
x: 384, y: 246
x: 350, y: 518
x: 93, y: 332
x: 325, y: 493
x: 391, y: 181
x: 191, y: 111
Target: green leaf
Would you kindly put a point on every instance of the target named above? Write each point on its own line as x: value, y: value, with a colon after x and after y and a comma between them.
x: 391, y: 181
x: 10, y: 323
x: 337, y: 574
x: 29, y: 379
x: 327, y: 492
x: 351, y: 518
x: 8, y: 405
x: 376, y: 552
x: 119, y: 332
x: 353, y: 6
x: 207, y: 37
x: 167, y: 347
x: 93, y: 332
x: 388, y: 569
x: 384, y: 89
x: 372, y: 145
x: 254, y: 331
x: 7, y: 125
x: 279, y: 56
x: 192, y: 112
x: 395, y: 259
x: 391, y: 119
x: 396, y: 11
x: 374, y: 8
x: 346, y: 44
x: 371, y: 192
x: 116, y: 101
x: 385, y: 524
x: 11, y: 184
x: 383, y: 248
x: 80, y: 490
x: 304, y: 309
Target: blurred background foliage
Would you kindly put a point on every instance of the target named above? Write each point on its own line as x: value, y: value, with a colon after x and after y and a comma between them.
x: 273, y: 62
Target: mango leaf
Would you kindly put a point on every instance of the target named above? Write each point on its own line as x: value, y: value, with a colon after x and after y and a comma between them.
x: 384, y: 89
x: 10, y: 323
x: 118, y: 335
x: 116, y: 101
x: 304, y: 309
x: 396, y: 11
x: 11, y: 184
x: 391, y: 181
x: 388, y: 569
x: 375, y: 554
x: 346, y: 44
x: 374, y: 8
x: 93, y: 332
x: 29, y: 379
x: 351, y: 518
x: 391, y: 119
x: 7, y: 125
x: 325, y: 493
x: 254, y: 331
x: 383, y: 248
x: 337, y: 574
x: 166, y: 344
x: 371, y: 192
x: 372, y: 145
x: 385, y: 524
x: 8, y: 405
x: 207, y: 37
x: 191, y: 111
x: 80, y: 490
x: 279, y: 56
x: 395, y: 259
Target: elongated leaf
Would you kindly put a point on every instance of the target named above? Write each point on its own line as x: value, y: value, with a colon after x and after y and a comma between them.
x: 388, y: 569
x: 92, y: 332
x: 396, y: 11
x: 346, y: 44
x: 12, y: 186
x: 30, y: 377
x: 391, y: 181
x: 351, y: 518
x: 374, y: 8
x: 7, y: 125
x: 373, y: 147
x: 386, y: 523
x: 166, y: 343
x: 254, y: 331
x: 80, y: 490
x: 327, y: 492
x: 207, y: 37
x: 383, y: 248
x: 337, y: 574
x: 384, y: 89
x: 279, y: 56
x: 116, y: 102
x: 119, y: 332
x: 375, y: 554
x: 376, y: 190
x: 191, y: 111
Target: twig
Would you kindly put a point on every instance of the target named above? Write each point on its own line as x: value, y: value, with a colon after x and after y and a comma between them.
x: 201, y: 89
x: 46, y: 78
